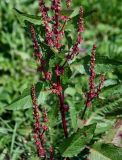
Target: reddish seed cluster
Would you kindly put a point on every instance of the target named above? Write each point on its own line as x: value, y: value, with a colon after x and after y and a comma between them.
x: 66, y: 108
x: 75, y: 48
x: 68, y: 3
x: 102, y: 79
x: 44, y: 12
x: 92, y: 87
x: 37, y: 125
x: 39, y: 129
x: 59, y: 70
x: 51, y: 153
x: 81, y: 22
x: 37, y: 53
x: 45, y: 115
x: 41, y: 67
x: 92, y: 70
x: 57, y: 33
x: 56, y: 89
x: 48, y: 75
x: 54, y: 31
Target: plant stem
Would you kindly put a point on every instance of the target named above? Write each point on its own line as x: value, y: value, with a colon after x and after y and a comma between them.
x: 63, y: 26
x: 84, y: 111
x: 64, y: 123
x: 63, y: 117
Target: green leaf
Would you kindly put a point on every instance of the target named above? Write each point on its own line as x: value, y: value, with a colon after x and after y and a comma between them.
x: 67, y: 75
x: 106, y: 110
x: 111, y: 107
x: 101, y: 151
x: 24, y: 101
x: 75, y: 12
x: 73, y: 114
x: 67, y: 12
x: 76, y: 142
x: 101, y: 115
x: 112, y: 93
x: 103, y: 63
x: 109, y: 82
x: 103, y: 124
x: 53, y: 116
x: 22, y: 17
x: 104, y: 68
x: 111, y: 136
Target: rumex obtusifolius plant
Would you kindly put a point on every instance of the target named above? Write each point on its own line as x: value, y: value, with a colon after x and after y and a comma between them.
x: 53, y: 35
x: 53, y: 61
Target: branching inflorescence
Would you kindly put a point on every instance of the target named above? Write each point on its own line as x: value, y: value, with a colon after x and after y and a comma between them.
x: 93, y: 92
x: 39, y: 129
x: 54, y: 32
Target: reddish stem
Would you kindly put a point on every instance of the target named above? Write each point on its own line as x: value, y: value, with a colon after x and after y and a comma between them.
x: 51, y: 153
x: 63, y: 117
x: 64, y: 123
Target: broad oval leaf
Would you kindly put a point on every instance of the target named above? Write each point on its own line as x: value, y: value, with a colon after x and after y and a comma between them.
x: 101, y: 151
x: 22, y: 17
x: 77, y: 142
x: 24, y: 101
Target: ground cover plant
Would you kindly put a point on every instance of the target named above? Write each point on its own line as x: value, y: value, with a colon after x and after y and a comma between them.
x: 71, y: 119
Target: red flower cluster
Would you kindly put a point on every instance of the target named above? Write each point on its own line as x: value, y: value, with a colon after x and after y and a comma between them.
x: 48, y: 75
x: 92, y: 70
x: 56, y: 8
x: 81, y: 22
x: 39, y: 129
x: 44, y: 12
x: 51, y: 153
x: 37, y: 53
x: 56, y: 89
x: 75, y: 48
x: 102, y: 79
x: 45, y: 115
x: 68, y: 3
x: 54, y: 31
x: 59, y: 70
x: 37, y: 125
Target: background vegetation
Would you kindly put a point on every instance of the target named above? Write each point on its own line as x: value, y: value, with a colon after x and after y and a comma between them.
x: 17, y: 69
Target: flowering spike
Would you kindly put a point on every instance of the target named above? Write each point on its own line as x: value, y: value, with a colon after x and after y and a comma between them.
x: 51, y: 150
x: 68, y: 3
x: 56, y: 89
x: 75, y: 48
x: 48, y: 75
x: 92, y: 70
x: 81, y: 22
x: 45, y: 128
x: 44, y: 12
x: 102, y: 79
x: 45, y: 115
x: 37, y: 53
x: 37, y: 124
x: 57, y: 35
x: 59, y: 70
x: 93, y: 93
